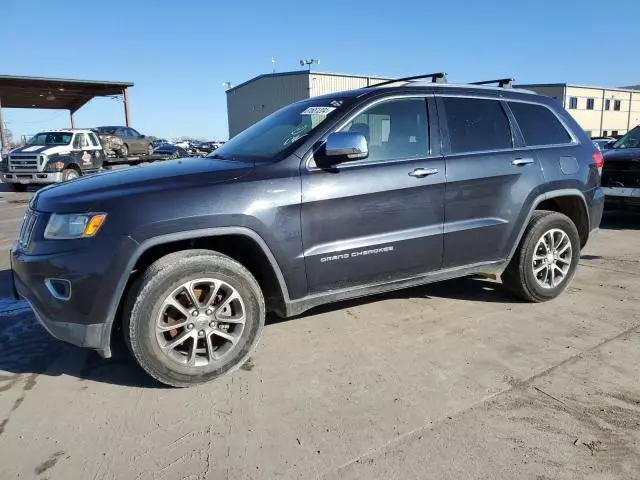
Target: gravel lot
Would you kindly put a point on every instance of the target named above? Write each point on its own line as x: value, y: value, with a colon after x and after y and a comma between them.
x: 448, y: 381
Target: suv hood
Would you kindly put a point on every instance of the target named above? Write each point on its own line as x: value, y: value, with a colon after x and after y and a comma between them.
x: 619, y: 154
x: 88, y: 193
x: 41, y: 149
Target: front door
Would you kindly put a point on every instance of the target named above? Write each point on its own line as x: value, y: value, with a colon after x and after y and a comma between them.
x: 490, y: 180
x: 87, y: 152
x: 378, y: 219
x: 136, y: 143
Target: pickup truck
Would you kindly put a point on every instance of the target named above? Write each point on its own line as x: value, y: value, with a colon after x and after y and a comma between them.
x: 53, y: 156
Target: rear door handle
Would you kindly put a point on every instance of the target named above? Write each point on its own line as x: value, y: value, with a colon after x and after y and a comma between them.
x: 521, y: 162
x: 423, y: 172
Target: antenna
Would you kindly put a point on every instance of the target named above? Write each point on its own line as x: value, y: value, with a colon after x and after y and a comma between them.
x: 309, y: 62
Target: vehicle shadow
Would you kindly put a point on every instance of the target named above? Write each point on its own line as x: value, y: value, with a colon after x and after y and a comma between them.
x: 628, y: 219
x: 27, y: 349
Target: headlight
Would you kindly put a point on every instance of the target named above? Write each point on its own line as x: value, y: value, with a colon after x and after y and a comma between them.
x: 73, y: 225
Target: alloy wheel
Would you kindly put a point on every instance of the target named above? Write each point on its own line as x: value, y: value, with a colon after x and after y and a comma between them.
x: 552, y: 258
x: 200, y: 322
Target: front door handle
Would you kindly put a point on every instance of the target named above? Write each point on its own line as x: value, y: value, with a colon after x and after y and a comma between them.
x: 521, y: 162
x: 423, y: 172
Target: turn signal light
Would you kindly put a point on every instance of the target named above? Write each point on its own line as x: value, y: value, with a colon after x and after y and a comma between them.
x: 94, y: 225
x: 59, y: 165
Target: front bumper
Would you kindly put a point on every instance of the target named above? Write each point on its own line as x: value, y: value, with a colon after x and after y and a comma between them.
x: 93, y: 271
x: 27, y: 178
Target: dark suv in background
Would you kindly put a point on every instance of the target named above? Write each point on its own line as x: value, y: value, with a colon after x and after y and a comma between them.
x: 330, y: 198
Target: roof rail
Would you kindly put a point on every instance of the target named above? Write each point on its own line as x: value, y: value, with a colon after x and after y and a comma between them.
x: 502, y: 82
x: 440, y: 77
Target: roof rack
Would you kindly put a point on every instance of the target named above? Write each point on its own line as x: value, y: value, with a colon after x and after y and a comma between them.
x: 502, y: 82
x: 440, y: 77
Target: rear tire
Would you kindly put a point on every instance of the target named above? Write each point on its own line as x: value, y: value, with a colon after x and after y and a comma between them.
x: 216, y: 340
x: 18, y: 187
x: 546, y: 259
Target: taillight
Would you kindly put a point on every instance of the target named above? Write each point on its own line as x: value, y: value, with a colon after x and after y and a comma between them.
x: 598, y: 159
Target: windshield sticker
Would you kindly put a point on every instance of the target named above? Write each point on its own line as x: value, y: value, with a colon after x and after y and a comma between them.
x: 318, y: 111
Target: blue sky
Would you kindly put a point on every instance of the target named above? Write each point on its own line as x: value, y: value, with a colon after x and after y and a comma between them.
x: 179, y: 53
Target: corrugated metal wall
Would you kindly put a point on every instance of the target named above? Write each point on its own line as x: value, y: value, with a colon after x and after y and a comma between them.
x: 254, y: 101
x: 322, y: 84
x: 249, y: 103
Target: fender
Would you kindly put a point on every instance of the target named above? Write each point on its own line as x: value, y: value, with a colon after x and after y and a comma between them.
x: 566, y: 192
x: 140, y: 248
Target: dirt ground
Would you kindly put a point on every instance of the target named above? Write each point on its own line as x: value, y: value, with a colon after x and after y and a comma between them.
x: 448, y: 381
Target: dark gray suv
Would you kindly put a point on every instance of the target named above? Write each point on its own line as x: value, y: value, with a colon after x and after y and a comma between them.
x: 330, y: 198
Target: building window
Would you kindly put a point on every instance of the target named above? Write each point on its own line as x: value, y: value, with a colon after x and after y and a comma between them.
x: 607, y: 104
x: 605, y: 133
x: 573, y: 103
x: 614, y: 133
x: 590, y: 103
x: 616, y: 105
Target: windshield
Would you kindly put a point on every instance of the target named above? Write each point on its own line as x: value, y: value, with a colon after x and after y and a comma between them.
x: 51, y: 138
x: 281, y: 131
x: 107, y: 130
x: 630, y: 140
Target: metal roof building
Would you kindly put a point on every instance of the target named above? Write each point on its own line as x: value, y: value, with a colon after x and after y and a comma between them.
x: 262, y: 95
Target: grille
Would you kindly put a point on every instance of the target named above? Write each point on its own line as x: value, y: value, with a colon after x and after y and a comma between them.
x: 26, y: 230
x: 23, y: 163
x: 621, y: 174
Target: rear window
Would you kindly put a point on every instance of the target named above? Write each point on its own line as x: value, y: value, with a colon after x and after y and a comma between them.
x: 538, y: 124
x: 477, y: 124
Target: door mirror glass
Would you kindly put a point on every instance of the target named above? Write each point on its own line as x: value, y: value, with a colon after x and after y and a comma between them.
x: 346, y: 146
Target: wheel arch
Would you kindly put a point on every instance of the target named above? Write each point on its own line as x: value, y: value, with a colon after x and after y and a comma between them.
x: 570, y: 202
x: 242, y: 244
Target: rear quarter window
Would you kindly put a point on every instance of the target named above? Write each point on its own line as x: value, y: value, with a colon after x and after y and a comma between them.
x: 539, y: 125
x: 477, y: 124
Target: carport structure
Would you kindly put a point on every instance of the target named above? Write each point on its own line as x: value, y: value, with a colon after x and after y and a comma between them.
x: 56, y: 93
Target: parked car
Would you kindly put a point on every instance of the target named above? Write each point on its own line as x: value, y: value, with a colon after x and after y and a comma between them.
x: 53, y: 156
x: 333, y: 197
x: 621, y: 172
x: 171, y: 151
x: 133, y: 143
x: 159, y: 141
x: 603, y: 143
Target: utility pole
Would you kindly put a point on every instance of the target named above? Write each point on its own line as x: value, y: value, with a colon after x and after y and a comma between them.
x: 3, y: 139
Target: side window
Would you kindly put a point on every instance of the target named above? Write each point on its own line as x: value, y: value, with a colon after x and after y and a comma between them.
x: 132, y: 133
x: 538, y: 124
x: 122, y: 132
x: 94, y: 140
x: 80, y: 141
x: 395, y: 130
x: 477, y: 124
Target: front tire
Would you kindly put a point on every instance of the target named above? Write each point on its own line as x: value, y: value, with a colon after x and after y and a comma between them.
x: 124, y: 151
x: 149, y: 149
x: 196, y: 315
x: 546, y: 259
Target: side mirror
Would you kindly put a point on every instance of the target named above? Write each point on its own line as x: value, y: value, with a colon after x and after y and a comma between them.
x: 142, y: 136
x: 345, y: 147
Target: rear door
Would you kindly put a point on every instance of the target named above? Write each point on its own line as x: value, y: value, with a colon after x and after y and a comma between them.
x: 490, y: 180
x: 378, y: 219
